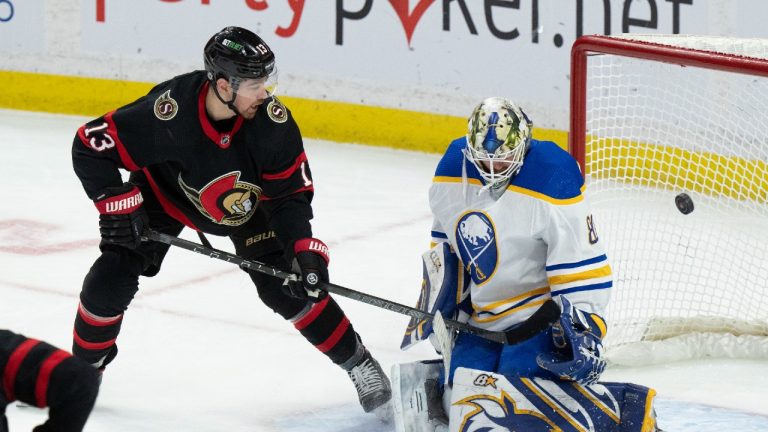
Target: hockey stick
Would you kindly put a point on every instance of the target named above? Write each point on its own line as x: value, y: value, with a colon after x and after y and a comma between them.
x: 547, y: 314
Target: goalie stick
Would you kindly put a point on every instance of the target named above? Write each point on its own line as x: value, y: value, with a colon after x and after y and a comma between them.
x: 547, y: 314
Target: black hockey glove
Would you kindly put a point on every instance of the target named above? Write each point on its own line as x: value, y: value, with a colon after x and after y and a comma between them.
x: 311, y: 262
x: 578, y: 337
x: 122, y: 217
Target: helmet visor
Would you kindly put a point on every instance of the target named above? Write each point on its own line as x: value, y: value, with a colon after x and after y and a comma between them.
x: 260, y: 88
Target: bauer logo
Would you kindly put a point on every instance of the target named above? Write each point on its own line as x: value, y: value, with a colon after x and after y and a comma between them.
x: 276, y: 111
x: 166, y: 107
x: 476, y: 237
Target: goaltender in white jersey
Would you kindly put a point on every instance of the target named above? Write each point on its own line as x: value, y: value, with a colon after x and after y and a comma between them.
x: 513, y: 229
x: 521, y: 240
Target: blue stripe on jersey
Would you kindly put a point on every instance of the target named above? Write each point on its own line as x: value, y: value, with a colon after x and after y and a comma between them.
x: 547, y: 169
x: 438, y: 234
x: 576, y: 264
x: 592, y: 287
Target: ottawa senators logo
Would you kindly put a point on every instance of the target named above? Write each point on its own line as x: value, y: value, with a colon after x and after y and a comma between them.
x: 166, y: 107
x: 225, y: 200
x: 277, y: 111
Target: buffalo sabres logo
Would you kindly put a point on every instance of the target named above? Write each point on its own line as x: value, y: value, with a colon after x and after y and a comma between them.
x: 166, y: 107
x: 476, y: 237
x: 225, y: 200
x: 277, y: 111
x: 488, y: 413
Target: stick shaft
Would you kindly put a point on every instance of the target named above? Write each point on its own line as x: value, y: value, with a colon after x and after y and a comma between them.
x: 379, y: 302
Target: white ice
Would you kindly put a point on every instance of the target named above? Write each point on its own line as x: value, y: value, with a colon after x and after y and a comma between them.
x: 198, y: 350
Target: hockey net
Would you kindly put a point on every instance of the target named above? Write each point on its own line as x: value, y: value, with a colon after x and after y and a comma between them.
x: 653, y: 116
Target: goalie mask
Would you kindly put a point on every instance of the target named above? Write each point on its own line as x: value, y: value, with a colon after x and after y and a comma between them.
x: 497, y: 139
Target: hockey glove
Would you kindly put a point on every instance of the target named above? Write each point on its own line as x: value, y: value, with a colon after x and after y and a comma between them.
x: 122, y: 217
x: 578, y: 338
x: 311, y: 262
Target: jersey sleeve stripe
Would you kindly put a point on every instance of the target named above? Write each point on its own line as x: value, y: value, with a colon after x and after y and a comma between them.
x: 595, y: 273
x: 126, y: 158
x: 288, y: 172
x: 592, y: 287
x: 577, y: 264
x: 304, y: 189
x: 44, y: 377
x: 439, y: 235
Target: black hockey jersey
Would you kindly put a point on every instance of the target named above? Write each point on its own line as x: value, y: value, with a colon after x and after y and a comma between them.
x: 208, y: 180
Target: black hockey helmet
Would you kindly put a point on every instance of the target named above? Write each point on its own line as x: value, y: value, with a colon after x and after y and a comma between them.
x: 235, y: 54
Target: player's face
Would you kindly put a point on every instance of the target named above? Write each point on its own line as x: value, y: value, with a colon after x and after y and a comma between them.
x: 253, y: 92
x: 496, y: 166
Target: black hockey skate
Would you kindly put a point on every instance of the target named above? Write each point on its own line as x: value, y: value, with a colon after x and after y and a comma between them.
x: 372, y: 385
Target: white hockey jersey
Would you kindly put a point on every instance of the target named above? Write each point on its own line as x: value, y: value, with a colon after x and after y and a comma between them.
x: 537, y: 240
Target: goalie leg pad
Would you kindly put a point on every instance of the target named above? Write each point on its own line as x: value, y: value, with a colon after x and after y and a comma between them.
x: 416, y: 397
x: 481, y: 399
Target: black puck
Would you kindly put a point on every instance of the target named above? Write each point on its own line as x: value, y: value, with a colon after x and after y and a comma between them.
x: 684, y: 203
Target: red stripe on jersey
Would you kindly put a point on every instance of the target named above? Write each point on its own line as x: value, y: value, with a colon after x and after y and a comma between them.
x: 304, y: 189
x: 110, y: 136
x: 44, y: 377
x: 289, y: 172
x: 95, y: 320
x: 334, y: 338
x: 82, y: 343
x: 167, y: 205
x: 307, y: 319
x: 222, y: 139
x: 13, y: 365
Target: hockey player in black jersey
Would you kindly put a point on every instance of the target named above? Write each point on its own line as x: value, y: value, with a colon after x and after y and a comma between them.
x: 217, y: 152
x: 42, y: 375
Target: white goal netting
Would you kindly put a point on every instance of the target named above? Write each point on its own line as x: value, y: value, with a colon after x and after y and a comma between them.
x: 684, y: 285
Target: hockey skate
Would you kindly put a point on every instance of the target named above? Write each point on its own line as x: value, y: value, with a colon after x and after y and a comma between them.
x: 372, y: 385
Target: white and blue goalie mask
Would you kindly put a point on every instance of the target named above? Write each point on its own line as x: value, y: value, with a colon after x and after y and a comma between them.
x: 497, y: 139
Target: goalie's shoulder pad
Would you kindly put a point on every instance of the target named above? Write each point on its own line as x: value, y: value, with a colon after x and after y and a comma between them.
x: 444, y: 287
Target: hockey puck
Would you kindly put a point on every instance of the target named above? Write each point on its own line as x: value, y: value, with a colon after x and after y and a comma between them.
x: 684, y: 203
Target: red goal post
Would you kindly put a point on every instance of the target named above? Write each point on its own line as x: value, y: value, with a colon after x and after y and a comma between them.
x: 653, y: 116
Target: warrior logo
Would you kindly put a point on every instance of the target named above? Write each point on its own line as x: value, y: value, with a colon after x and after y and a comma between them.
x: 225, y: 200
x: 276, y: 111
x: 166, y: 107
x: 476, y: 237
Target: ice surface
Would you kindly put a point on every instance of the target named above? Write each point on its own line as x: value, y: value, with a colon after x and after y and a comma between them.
x: 198, y: 350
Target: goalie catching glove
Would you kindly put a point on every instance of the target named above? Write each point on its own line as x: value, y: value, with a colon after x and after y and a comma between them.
x: 122, y: 218
x: 311, y: 261
x: 578, y: 338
